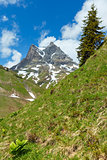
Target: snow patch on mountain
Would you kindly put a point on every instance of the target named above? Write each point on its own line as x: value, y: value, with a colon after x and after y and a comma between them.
x: 14, y: 96
x: 48, y: 85
x: 43, y: 54
x: 31, y: 100
x: 36, y: 75
x: 53, y: 76
x: 35, y: 68
x: 24, y: 69
x: 23, y: 73
x: 32, y: 95
x: 41, y: 84
x: 30, y: 75
x: 75, y: 66
x: 68, y: 68
x: 53, y: 55
x: 51, y: 67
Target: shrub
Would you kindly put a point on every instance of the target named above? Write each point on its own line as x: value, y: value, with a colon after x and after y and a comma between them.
x: 17, y: 148
x: 13, y: 114
x: 3, y: 132
x: 1, y: 119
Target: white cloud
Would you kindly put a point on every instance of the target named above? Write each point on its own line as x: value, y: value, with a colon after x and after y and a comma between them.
x: 102, y: 11
x: 44, y: 34
x: 69, y: 47
x: 15, y: 59
x: 35, y: 28
x: 6, y: 52
x: 46, y: 41
x: 43, y: 41
x: 13, y: 16
x: 7, y: 2
x: 74, y: 30
x: 101, y: 6
x: 70, y: 33
x: 15, y: 27
x: 7, y: 40
x: 13, y: 2
x: 4, y: 18
x: 43, y: 24
x: 40, y: 27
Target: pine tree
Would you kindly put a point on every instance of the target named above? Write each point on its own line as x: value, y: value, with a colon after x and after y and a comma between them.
x: 92, y: 36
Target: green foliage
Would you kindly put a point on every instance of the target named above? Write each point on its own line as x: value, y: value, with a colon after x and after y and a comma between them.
x: 1, y: 119
x: 3, y: 131
x: 14, y: 114
x: 17, y: 148
x: 92, y: 36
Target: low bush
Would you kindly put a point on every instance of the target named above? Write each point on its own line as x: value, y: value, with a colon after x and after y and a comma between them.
x: 17, y: 147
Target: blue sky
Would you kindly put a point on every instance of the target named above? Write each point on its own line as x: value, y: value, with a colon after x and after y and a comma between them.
x: 24, y: 22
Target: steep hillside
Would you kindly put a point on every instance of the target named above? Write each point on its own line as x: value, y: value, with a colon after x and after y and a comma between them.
x: 14, y: 91
x: 67, y: 121
x: 45, y: 66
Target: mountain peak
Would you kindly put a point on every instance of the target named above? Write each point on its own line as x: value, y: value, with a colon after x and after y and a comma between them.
x: 45, y: 66
x: 51, y: 48
x: 34, y: 52
x: 33, y: 46
x: 52, y: 44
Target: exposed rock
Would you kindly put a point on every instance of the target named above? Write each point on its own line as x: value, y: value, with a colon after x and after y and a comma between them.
x: 45, y: 66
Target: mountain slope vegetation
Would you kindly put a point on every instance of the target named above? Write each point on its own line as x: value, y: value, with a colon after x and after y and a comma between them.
x: 12, y: 85
x: 67, y: 121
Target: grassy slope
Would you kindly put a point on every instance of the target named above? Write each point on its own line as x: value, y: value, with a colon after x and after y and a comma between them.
x: 68, y: 120
x: 10, y: 83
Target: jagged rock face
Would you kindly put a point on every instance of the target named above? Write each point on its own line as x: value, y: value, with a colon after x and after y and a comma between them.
x: 56, y: 56
x: 46, y: 66
x: 34, y: 53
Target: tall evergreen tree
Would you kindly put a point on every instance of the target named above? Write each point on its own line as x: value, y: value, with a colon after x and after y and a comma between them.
x: 92, y: 36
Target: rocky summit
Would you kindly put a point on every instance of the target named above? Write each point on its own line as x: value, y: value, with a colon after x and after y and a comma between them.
x: 45, y: 66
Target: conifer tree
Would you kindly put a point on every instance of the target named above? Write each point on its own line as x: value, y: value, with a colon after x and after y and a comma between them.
x: 92, y: 36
